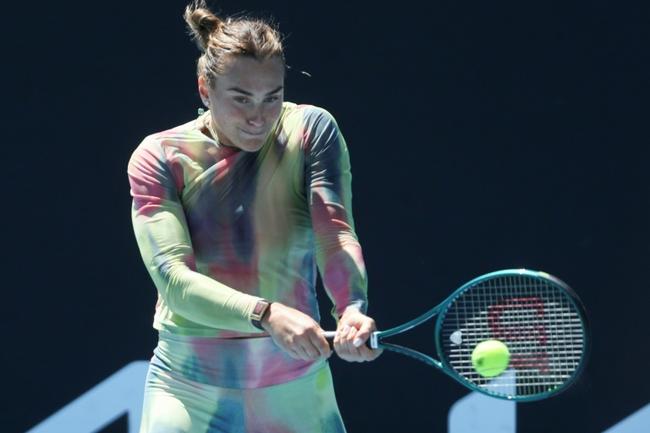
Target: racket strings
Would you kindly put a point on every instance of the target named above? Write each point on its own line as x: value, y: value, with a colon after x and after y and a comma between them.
x: 534, y: 317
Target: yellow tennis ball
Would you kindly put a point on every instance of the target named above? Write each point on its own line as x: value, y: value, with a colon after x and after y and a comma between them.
x: 490, y: 358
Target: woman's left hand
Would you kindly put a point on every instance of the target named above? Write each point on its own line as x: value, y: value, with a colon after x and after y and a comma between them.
x: 352, y: 333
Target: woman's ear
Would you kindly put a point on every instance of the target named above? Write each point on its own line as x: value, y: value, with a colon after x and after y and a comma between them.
x: 203, y: 90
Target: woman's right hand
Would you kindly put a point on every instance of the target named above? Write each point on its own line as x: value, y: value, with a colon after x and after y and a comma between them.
x: 300, y: 336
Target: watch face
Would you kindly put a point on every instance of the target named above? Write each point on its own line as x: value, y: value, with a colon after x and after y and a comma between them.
x: 260, y: 308
x: 258, y: 313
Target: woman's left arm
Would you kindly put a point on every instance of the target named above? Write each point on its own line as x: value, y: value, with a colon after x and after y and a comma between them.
x: 338, y: 252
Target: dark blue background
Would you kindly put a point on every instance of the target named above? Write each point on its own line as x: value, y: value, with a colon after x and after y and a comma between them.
x: 483, y: 135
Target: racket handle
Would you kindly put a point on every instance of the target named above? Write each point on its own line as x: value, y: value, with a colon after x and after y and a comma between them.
x: 371, y: 343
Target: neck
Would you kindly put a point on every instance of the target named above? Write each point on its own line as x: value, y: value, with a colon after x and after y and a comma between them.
x: 207, y: 123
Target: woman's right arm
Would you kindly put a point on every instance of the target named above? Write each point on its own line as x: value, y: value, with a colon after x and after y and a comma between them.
x: 163, y: 238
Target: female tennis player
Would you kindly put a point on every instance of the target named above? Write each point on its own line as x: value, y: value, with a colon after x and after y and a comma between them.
x: 233, y: 213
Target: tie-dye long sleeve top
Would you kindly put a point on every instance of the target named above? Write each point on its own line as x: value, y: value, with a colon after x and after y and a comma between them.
x: 218, y: 228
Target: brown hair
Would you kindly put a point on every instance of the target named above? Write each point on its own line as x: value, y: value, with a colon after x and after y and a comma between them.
x: 218, y: 39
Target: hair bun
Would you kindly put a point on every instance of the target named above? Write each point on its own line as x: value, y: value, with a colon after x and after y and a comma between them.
x: 201, y: 22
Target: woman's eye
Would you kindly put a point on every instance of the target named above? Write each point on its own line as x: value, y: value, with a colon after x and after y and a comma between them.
x: 272, y: 99
x: 241, y: 99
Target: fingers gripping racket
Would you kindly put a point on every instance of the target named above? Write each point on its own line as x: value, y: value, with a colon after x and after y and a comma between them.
x: 536, y: 317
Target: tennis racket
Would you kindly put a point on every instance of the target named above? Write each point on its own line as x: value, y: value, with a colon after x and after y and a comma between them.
x: 538, y: 317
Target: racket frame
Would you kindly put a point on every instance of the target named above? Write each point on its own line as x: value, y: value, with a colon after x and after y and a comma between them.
x: 375, y: 341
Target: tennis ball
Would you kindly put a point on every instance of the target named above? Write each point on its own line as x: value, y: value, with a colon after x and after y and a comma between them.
x: 490, y: 358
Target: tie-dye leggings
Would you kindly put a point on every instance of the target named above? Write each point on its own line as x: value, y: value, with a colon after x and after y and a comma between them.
x: 175, y: 404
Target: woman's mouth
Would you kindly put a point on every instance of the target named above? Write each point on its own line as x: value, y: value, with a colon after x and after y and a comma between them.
x: 253, y: 133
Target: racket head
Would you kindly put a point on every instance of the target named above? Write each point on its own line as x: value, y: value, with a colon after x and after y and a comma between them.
x: 536, y: 315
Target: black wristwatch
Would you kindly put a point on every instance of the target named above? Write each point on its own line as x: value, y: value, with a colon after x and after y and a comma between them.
x: 258, y: 313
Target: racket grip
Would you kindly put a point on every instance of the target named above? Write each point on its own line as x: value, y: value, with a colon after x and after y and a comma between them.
x: 371, y: 343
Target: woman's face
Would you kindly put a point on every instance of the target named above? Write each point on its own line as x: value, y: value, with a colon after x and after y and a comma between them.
x: 245, y: 101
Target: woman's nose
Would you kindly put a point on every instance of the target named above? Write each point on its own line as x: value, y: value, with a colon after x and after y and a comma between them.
x: 256, y: 117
